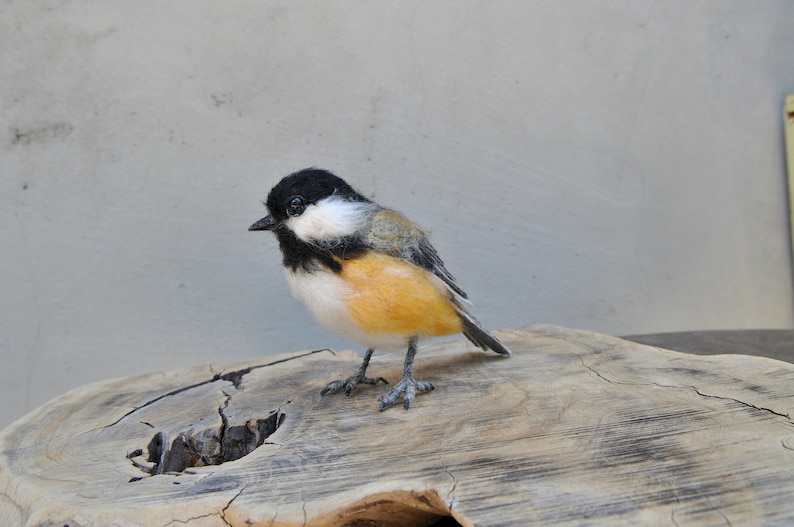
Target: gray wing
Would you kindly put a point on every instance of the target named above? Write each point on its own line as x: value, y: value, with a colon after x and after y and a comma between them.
x: 394, y: 234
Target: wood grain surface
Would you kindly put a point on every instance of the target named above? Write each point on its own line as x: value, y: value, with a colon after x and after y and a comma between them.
x: 575, y: 429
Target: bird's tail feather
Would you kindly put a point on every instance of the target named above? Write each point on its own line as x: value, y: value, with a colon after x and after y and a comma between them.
x: 473, y: 331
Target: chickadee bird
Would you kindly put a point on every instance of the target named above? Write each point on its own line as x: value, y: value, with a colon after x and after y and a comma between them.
x: 367, y: 273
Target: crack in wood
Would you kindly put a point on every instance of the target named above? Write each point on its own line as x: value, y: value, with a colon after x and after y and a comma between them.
x: 205, y: 446
x: 749, y: 405
x: 208, y: 445
x: 693, y: 388
x: 228, y: 506
x: 235, y: 377
x: 194, y: 518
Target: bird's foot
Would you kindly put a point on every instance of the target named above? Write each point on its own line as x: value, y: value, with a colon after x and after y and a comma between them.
x: 350, y: 383
x: 407, y: 387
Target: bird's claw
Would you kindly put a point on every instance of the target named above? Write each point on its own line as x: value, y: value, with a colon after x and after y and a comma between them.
x: 407, y: 387
x: 350, y: 384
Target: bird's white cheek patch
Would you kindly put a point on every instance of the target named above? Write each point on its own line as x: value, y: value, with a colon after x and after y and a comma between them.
x: 329, y: 219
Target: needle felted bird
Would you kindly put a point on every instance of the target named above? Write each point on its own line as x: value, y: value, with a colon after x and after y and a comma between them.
x: 367, y: 273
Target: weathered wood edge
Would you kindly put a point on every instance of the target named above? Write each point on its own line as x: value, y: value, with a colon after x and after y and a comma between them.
x: 779, y: 404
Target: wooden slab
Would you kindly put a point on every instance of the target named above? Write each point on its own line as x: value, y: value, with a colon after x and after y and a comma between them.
x: 575, y: 429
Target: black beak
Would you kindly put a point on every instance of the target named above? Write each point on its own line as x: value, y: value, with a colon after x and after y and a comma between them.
x: 265, y: 224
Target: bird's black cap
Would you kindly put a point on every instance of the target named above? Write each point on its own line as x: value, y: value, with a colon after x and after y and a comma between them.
x: 290, y: 197
x: 312, y: 184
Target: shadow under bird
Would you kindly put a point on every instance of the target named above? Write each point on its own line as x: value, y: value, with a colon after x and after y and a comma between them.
x: 367, y: 273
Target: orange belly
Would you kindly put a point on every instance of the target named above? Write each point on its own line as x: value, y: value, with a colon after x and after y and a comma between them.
x: 392, y: 297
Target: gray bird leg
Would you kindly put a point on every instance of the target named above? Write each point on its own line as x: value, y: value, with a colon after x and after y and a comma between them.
x: 408, y: 386
x: 350, y: 383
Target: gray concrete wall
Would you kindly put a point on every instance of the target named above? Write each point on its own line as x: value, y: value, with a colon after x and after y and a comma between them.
x: 614, y: 166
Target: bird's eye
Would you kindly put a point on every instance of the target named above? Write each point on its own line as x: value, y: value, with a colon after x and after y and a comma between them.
x: 296, y: 206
